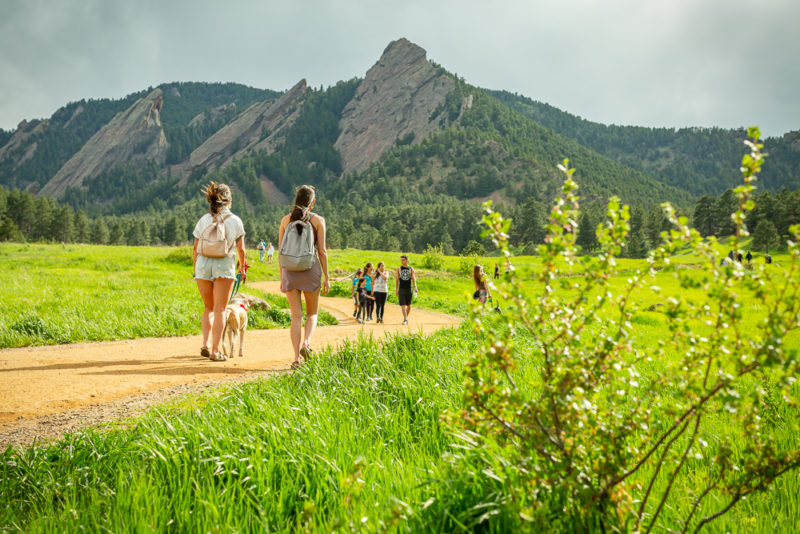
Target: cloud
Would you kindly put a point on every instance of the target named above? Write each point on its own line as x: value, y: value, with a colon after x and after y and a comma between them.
x: 684, y: 62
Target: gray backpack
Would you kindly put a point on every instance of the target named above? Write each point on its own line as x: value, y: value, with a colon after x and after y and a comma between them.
x: 213, y: 242
x: 297, y: 250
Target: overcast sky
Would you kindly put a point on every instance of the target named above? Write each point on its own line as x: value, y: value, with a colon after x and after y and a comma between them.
x: 725, y: 63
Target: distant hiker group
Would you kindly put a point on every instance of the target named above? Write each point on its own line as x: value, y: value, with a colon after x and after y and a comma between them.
x: 370, y: 290
x: 746, y: 260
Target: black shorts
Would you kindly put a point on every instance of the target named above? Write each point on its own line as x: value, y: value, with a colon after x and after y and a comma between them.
x: 404, y: 297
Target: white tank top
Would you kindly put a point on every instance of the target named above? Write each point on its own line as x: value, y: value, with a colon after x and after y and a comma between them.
x: 378, y: 283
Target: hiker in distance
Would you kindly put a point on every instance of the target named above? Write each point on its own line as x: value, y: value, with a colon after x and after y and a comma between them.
x: 218, y: 238
x: 404, y: 281
x: 261, y: 247
x: 270, y: 252
x: 303, y: 259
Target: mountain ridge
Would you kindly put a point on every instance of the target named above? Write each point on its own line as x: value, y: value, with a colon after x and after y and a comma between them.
x: 391, y: 124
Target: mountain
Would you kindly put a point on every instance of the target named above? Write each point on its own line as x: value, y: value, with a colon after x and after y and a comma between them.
x: 132, y: 137
x: 34, y: 153
x: 695, y: 159
x: 395, y: 102
x: 401, y: 158
x: 259, y: 127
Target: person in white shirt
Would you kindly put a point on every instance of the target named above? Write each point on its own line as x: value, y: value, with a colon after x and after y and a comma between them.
x: 215, y: 276
x: 270, y: 252
x: 380, y: 291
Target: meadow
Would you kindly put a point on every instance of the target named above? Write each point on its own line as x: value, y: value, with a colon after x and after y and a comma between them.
x: 51, y: 294
x: 359, y: 440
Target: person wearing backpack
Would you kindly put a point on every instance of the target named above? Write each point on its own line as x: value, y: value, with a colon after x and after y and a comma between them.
x: 218, y: 239
x: 262, y: 248
x: 303, y: 260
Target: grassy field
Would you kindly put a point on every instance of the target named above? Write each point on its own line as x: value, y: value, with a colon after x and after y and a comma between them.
x: 354, y: 442
x: 52, y: 294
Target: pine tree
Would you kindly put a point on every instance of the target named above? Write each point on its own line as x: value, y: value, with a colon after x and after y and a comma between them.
x: 765, y: 236
x: 81, y: 226
x: 62, y: 227
x: 117, y: 236
x: 447, y: 245
x: 99, y: 234
x: 704, y: 215
x: 587, y: 238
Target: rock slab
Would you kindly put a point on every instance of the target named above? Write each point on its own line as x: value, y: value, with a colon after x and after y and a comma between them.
x: 133, y: 137
x: 396, y: 100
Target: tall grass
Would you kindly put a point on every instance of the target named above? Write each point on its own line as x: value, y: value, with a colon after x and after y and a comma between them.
x: 354, y: 441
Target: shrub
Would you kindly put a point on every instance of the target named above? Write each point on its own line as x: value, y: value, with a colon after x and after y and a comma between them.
x: 181, y: 256
x: 473, y: 248
x: 433, y: 258
x: 606, y: 440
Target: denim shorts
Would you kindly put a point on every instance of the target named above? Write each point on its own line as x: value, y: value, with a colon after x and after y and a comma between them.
x: 212, y: 268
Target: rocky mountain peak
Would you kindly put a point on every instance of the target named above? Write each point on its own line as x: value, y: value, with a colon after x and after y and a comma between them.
x: 131, y: 138
x: 262, y: 126
x: 396, y: 100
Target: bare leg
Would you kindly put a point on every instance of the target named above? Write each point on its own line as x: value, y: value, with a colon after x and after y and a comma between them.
x: 312, y: 309
x: 222, y: 292
x: 405, y: 310
x: 296, y: 306
x: 206, y: 289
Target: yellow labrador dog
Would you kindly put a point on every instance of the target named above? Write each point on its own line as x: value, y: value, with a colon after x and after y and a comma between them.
x: 235, y: 324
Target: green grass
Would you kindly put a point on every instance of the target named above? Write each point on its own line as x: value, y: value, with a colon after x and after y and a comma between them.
x: 52, y: 294
x: 354, y: 441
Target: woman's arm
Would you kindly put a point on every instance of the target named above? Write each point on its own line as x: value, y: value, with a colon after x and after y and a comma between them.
x: 322, y: 251
x: 194, y: 256
x: 242, y: 256
x: 281, y: 231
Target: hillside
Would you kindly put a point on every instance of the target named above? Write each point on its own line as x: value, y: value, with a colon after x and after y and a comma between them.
x: 402, y: 157
x: 34, y: 153
x: 694, y: 159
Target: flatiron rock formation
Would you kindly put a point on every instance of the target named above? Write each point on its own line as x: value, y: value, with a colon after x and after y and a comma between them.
x: 395, y: 101
x: 14, y: 151
x: 131, y: 138
x: 262, y: 126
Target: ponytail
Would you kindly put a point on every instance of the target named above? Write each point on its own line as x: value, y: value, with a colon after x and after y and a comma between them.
x: 302, y: 206
x: 217, y: 195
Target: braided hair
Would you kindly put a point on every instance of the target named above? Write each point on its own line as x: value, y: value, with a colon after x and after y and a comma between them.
x: 302, y: 205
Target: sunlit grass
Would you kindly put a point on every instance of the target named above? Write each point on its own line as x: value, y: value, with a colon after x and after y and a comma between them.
x: 52, y: 294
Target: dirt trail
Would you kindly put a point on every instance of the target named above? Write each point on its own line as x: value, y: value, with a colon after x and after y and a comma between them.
x: 50, y: 390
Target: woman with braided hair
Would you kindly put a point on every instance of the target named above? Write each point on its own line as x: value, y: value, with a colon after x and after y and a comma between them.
x: 215, y: 275
x: 306, y: 283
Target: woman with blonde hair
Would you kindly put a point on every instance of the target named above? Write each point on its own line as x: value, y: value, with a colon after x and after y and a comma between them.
x: 305, y: 283
x: 215, y: 273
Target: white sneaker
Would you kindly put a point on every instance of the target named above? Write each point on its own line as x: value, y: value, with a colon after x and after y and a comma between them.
x: 405, y: 322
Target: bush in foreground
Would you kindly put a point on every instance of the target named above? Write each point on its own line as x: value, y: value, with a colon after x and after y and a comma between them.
x: 622, y: 435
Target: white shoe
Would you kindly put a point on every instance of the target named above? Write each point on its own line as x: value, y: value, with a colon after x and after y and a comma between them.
x: 405, y: 322
x: 218, y: 357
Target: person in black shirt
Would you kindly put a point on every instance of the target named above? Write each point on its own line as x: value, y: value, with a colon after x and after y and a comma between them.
x: 404, y: 280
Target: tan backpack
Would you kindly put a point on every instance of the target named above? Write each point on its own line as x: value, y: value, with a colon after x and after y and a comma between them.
x: 213, y: 242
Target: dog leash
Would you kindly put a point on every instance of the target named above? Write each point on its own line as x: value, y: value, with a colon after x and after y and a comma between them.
x: 238, y: 280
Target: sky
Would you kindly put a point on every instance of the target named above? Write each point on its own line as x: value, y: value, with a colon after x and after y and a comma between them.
x: 673, y: 63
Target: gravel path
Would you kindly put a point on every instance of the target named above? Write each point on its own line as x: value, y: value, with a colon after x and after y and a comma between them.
x: 50, y: 391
